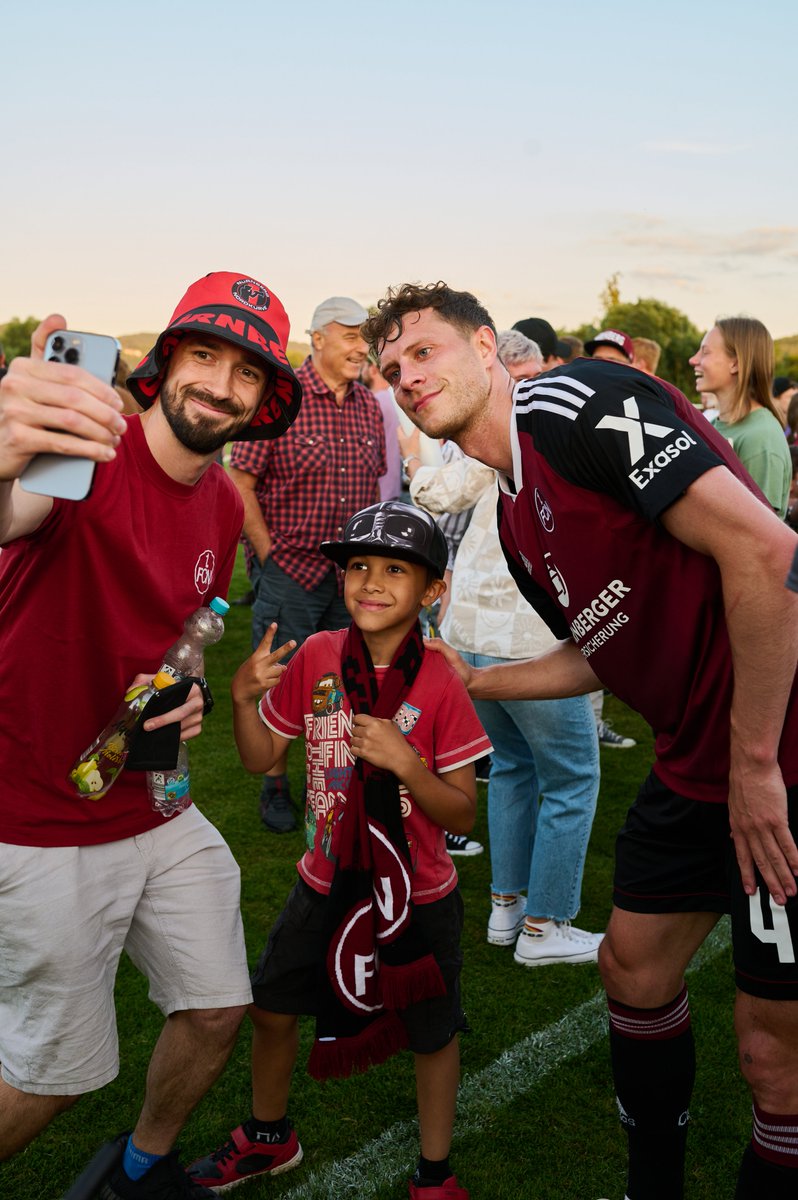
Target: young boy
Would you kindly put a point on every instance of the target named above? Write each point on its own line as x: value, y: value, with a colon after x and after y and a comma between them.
x: 368, y: 941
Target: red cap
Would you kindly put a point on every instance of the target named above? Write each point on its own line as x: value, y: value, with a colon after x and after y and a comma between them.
x: 239, y: 310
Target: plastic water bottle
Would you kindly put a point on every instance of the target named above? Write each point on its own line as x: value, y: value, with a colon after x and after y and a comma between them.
x: 99, y: 765
x: 203, y: 628
x: 170, y: 789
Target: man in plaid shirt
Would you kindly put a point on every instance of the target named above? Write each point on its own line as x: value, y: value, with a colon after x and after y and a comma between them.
x: 300, y: 491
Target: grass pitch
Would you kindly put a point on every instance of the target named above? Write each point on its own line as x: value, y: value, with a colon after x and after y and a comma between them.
x: 537, y: 1113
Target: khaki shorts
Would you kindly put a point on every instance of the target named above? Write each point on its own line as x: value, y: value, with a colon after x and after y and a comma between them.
x: 169, y: 897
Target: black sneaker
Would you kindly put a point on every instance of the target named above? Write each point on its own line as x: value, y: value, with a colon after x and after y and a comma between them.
x: 101, y: 1167
x: 276, y: 808
x: 460, y: 843
x: 165, y: 1181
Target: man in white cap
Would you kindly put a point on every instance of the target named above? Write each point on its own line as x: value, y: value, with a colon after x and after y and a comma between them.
x: 613, y: 345
x: 303, y: 494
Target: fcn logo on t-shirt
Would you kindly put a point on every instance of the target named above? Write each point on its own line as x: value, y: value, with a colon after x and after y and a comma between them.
x: 204, y: 570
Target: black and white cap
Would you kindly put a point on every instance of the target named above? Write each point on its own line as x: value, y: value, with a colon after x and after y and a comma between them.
x: 394, y: 530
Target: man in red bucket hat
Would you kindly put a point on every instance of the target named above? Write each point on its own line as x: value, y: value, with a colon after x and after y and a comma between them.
x: 244, y: 313
x: 92, y: 593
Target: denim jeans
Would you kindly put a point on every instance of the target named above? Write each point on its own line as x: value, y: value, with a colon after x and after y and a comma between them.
x: 542, y: 795
x: 298, y: 613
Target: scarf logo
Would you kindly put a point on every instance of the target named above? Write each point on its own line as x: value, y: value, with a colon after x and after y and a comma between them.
x: 354, y: 962
x: 355, y: 959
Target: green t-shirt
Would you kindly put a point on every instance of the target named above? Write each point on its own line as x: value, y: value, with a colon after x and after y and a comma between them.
x: 759, y: 443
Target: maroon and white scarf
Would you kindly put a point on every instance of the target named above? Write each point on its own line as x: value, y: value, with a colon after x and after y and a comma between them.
x: 377, y: 962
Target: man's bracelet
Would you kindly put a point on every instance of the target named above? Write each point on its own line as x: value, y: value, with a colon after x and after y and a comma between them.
x: 409, y: 459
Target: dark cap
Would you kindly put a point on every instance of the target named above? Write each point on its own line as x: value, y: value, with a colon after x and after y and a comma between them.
x: 240, y: 310
x: 394, y: 530
x: 539, y: 330
x: 782, y: 384
x: 612, y: 337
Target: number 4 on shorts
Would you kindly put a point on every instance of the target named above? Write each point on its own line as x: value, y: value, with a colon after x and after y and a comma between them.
x: 779, y: 935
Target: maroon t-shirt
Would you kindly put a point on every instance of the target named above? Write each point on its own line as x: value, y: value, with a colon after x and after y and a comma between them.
x: 92, y: 598
x: 600, y: 452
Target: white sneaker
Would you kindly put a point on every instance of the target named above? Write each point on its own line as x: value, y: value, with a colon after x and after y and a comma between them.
x: 506, y: 917
x: 547, y: 942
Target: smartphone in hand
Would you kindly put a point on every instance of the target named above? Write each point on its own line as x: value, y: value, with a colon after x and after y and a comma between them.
x: 63, y: 475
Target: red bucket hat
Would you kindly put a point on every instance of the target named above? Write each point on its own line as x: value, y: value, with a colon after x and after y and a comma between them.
x: 239, y: 310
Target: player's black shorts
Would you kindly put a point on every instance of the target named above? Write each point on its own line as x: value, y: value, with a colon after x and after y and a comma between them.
x: 286, y: 979
x: 676, y: 855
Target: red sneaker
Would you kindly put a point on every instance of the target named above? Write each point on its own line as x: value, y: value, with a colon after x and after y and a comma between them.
x: 448, y: 1190
x: 239, y: 1159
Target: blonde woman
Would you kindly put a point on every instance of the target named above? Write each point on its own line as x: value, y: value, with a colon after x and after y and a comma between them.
x: 735, y: 361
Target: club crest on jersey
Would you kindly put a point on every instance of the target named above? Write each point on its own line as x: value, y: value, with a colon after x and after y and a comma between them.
x: 633, y: 427
x: 203, y: 571
x: 545, y: 515
x: 555, y: 575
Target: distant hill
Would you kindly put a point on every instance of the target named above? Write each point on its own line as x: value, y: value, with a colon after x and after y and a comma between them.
x: 136, y: 345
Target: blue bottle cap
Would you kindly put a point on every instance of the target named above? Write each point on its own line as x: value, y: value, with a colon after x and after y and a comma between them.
x: 219, y: 605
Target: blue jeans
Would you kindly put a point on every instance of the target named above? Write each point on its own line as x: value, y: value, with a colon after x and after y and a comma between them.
x: 542, y: 795
x: 298, y: 613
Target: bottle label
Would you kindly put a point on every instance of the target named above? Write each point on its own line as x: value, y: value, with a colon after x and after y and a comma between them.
x: 176, y: 789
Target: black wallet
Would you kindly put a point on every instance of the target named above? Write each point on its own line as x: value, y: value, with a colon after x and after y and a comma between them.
x: 157, y: 750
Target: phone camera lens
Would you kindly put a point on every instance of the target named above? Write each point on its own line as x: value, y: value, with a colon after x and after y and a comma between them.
x: 72, y: 355
x: 58, y: 343
x: 54, y: 358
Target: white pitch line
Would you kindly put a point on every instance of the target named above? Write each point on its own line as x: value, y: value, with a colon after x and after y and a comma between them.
x: 517, y: 1070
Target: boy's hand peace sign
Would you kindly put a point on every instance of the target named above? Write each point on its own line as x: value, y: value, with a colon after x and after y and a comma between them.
x: 262, y: 670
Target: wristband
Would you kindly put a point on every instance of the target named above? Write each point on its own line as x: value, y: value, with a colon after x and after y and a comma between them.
x: 207, y: 694
x: 409, y: 459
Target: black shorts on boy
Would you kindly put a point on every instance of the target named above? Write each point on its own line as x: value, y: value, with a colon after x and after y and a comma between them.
x: 286, y: 979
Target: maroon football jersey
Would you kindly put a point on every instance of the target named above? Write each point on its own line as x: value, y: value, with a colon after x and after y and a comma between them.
x: 600, y: 450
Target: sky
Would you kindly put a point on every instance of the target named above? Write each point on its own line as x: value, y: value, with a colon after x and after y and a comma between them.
x: 523, y: 151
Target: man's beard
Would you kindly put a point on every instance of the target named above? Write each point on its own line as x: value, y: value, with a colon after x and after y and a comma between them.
x: 201, y: 435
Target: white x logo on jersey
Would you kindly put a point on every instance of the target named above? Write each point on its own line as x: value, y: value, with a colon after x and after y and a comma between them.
x: 633, y: 427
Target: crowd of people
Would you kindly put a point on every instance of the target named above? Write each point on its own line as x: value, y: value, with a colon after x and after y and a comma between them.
x: 571, y: 525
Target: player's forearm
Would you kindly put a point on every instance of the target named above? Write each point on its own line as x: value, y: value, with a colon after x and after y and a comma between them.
x: 718, y: 517
x: 556, y: 675
x: 760, y: 615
